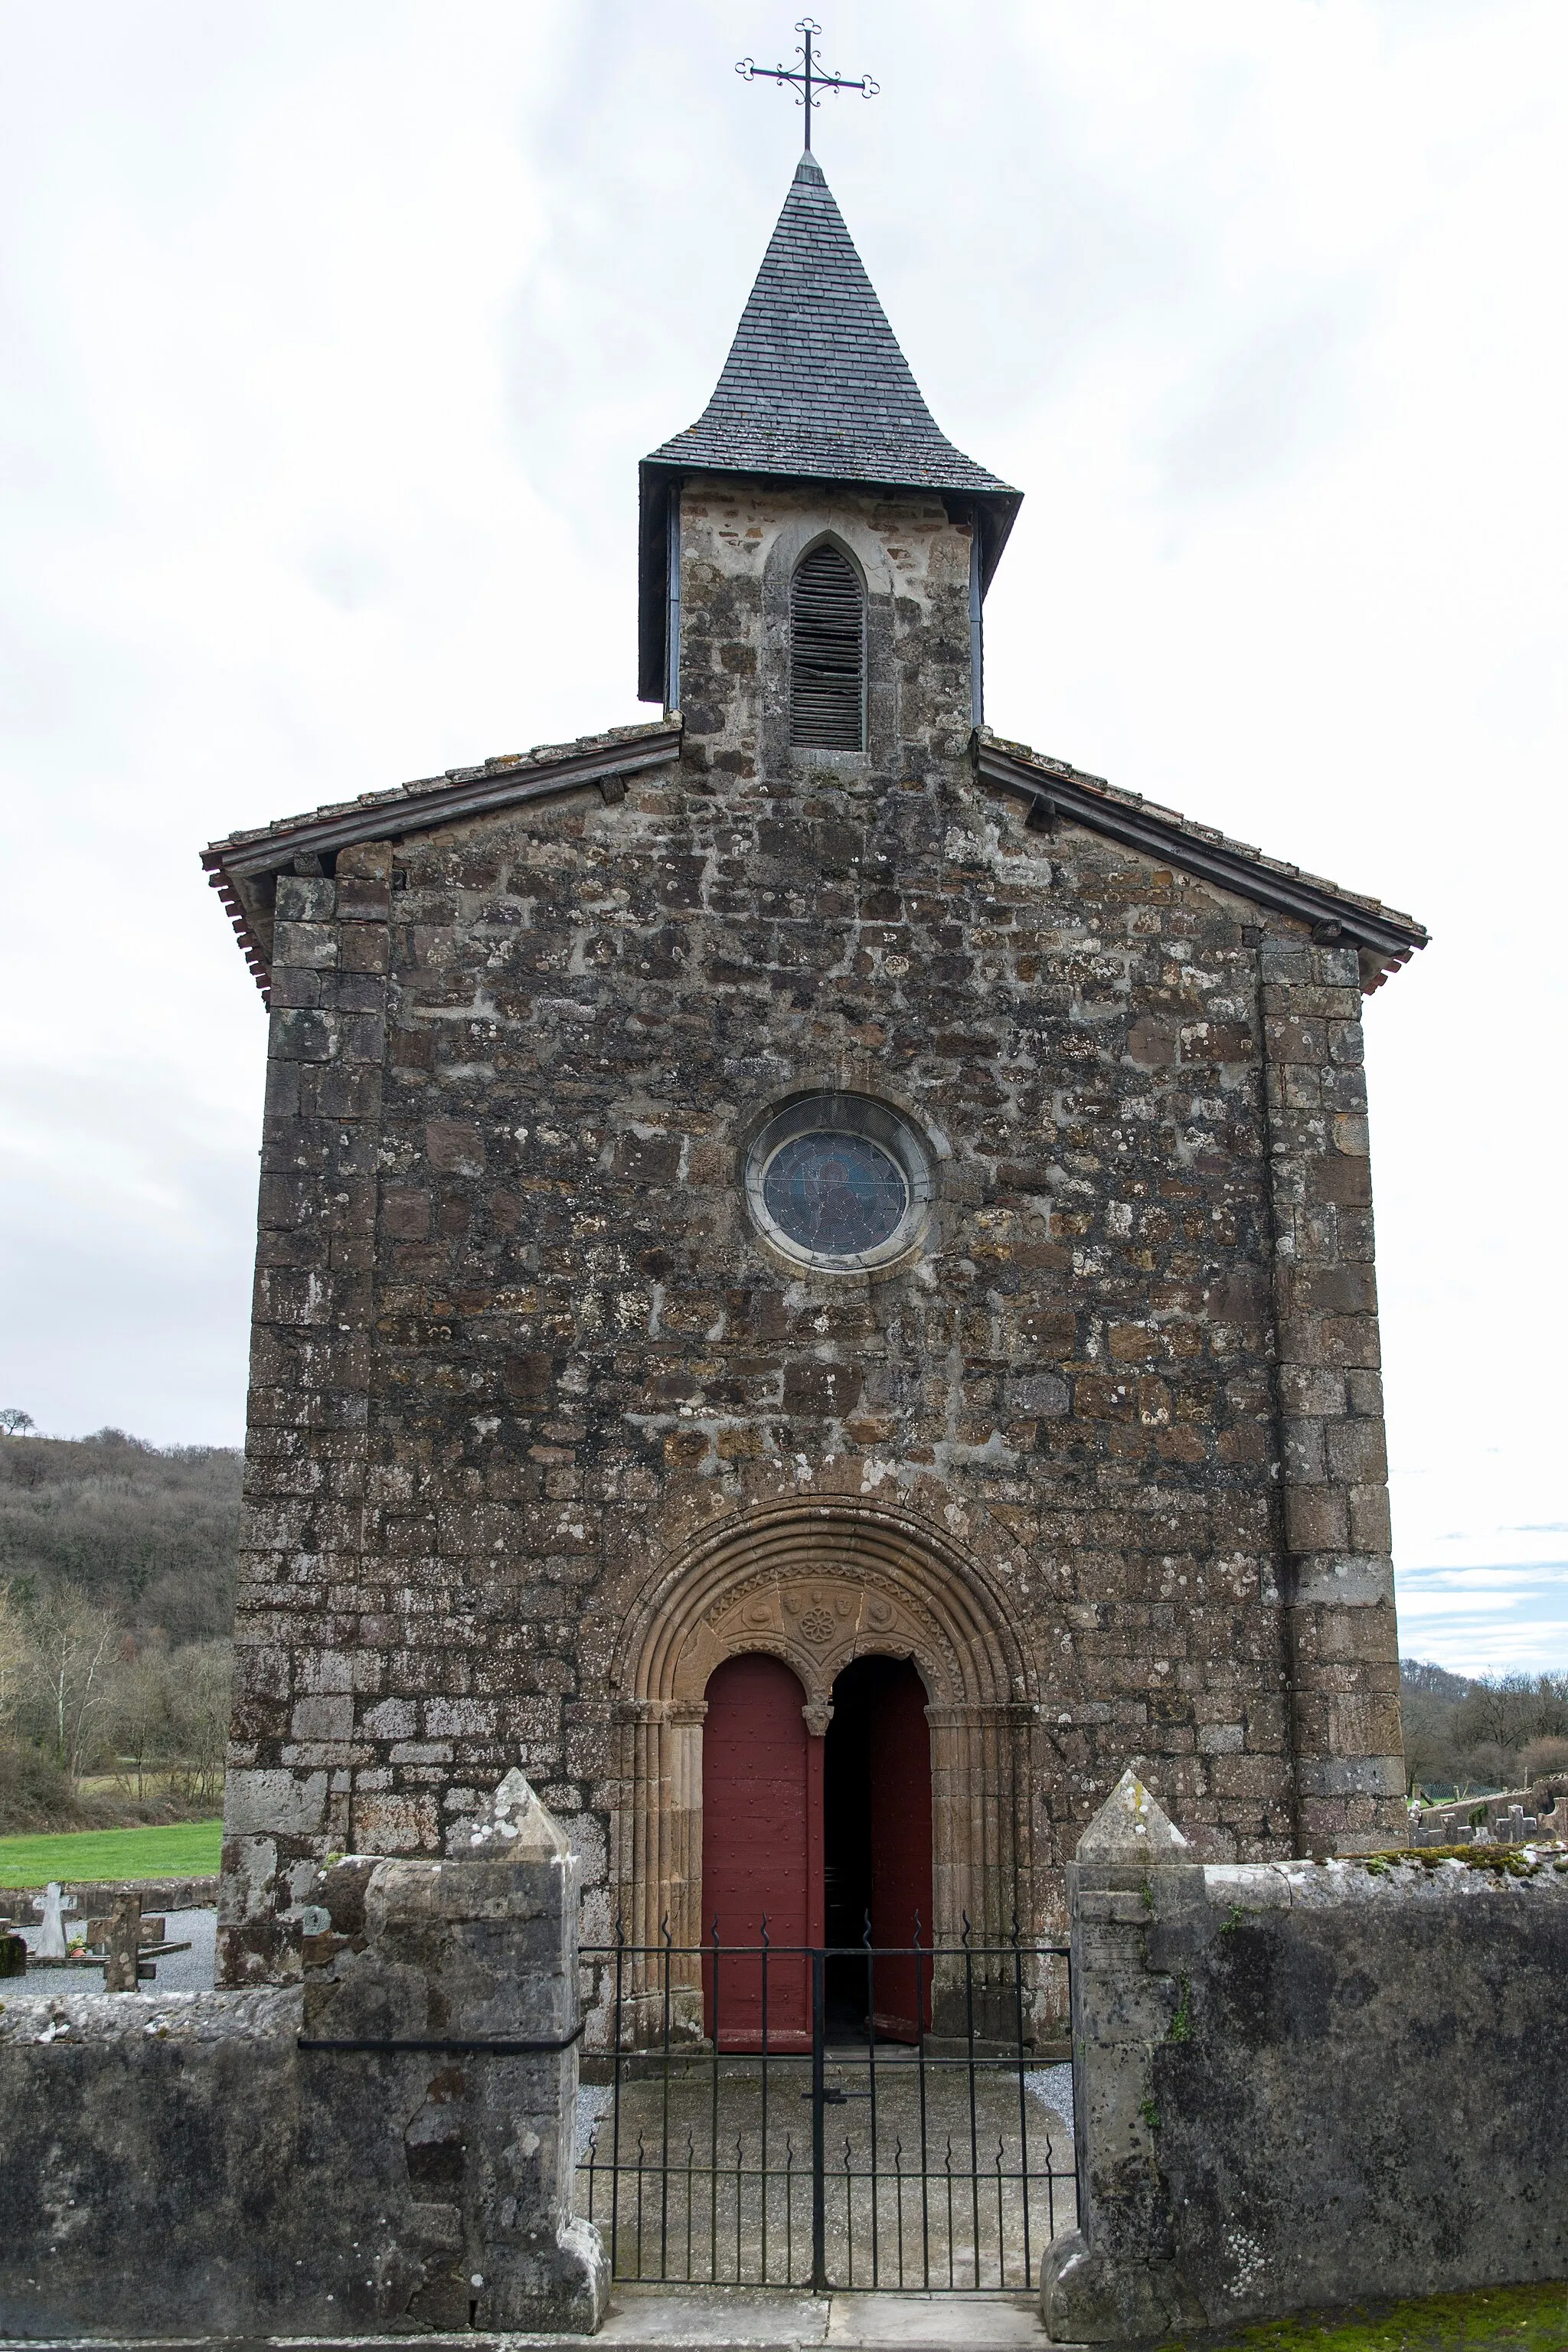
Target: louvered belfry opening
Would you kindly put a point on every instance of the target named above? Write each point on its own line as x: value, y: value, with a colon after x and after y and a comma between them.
x: 826, y: 654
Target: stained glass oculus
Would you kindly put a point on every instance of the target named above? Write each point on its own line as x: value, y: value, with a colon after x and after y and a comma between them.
x: 835, y: 1195
x: 840, y: 1180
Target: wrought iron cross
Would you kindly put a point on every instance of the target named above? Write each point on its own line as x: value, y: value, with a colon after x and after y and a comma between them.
x: 808, y: 77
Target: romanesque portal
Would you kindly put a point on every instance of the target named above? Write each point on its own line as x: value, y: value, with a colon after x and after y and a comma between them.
x: 903, y: 1796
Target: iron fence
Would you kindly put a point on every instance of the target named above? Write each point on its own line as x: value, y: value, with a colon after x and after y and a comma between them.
x: 934, y: 2154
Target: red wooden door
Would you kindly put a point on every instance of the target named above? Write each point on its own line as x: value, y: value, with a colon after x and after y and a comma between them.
x: 762, y: 1852
x: 900, y: 1850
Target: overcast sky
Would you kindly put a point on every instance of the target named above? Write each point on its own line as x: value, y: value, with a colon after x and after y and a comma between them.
x: 331, y: 333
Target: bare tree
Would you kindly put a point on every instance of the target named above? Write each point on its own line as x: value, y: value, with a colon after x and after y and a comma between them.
x: 199, y: 1712
x: 1545, y: 1759
x: 72, y: 1655
x: 141, y: 1725
x: 1427, y: 1697
x: 14, y: 1651
x: 14, y: 1422
x: 1502, y: 1714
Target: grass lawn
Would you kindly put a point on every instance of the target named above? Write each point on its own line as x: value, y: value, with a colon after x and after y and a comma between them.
x: 177, y: 1849
x: 1491, y: 2319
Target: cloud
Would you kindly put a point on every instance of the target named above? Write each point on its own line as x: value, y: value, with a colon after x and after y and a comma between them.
x: 124, y: 1262
x: 1283, y: 396
x: 1488, y: 1620
x: 333, y: 338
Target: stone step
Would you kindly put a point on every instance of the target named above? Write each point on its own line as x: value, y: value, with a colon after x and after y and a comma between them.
x: 707, y: 2319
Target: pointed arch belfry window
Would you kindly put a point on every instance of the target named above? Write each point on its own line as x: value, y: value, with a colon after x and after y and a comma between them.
x: 826, y: 653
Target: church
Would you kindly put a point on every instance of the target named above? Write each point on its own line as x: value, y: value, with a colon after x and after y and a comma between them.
x: 815, y: 1283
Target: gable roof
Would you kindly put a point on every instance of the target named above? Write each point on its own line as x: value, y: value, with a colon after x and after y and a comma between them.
x: 815, y: 388
x: 242, y: 868
x: 1383, y: 936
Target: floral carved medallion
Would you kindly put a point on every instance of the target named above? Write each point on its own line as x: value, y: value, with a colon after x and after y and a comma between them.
x: 816, y: 1624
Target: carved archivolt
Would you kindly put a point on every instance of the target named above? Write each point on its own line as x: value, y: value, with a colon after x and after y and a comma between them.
x: 818, y: 1584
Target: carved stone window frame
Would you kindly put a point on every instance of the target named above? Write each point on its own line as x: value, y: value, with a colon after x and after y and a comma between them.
x: 837, y: 524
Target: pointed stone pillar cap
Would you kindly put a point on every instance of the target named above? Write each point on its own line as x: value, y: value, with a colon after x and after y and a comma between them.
x: 513, y: 1826
x: 1130, y: 1827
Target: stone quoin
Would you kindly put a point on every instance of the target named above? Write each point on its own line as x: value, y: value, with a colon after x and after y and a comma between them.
x: 1046, y: 1358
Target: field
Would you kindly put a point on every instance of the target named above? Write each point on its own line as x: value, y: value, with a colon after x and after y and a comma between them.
x: 178, y: 1849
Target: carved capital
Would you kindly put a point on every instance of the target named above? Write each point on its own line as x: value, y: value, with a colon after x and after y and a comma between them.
x: 641, y: 1710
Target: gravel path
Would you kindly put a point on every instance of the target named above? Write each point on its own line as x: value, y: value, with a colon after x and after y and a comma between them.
x: 189, y: 1971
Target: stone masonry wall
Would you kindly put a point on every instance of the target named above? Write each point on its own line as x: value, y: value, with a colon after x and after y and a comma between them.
x: 517, y: 1340
x: 1298, y: 2084
x: 1344, y: 1648
x: 306, y: 1640
x: 385, y: 2149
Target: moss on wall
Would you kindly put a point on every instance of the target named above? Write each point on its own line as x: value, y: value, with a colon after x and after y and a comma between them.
x: 1522, y: 2318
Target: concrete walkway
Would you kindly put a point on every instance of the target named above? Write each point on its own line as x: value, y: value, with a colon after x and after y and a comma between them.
x: 731, y: 2319
x: 707, y: 2319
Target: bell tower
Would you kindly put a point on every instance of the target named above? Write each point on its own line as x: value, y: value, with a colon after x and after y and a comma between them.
x: 814, y: 553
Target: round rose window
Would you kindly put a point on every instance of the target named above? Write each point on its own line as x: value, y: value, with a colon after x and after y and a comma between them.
x: 839, y: 1181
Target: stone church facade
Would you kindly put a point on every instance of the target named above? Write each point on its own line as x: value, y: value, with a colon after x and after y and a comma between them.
x: 806, y: 1178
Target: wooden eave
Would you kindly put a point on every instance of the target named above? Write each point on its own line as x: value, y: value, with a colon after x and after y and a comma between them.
x: 243, y: 869
x: 1055, y: 792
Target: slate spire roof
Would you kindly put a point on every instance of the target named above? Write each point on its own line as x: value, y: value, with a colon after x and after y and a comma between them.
x: 814, y: 388
x: 815, y: 385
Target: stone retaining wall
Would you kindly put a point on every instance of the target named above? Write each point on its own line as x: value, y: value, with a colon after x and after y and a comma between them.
x: 1301, y: 2083
x: 1508, y: 1819
x: 92, y: 1895
x: 385, y: 2147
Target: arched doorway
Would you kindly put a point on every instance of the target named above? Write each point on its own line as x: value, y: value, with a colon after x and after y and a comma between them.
x: 877, y: 1844
x: 816, y: 1586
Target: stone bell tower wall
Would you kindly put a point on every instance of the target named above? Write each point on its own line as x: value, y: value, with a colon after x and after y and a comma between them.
x: 740, y: 542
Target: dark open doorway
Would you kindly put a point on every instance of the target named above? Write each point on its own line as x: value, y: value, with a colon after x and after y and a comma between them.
x: 876, y: 1841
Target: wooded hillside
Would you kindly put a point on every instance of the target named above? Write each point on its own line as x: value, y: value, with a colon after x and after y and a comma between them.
x: 117, y: 1568
x: 117, y: 1575
x: 1469, y: 1734
x: 147, y: 1532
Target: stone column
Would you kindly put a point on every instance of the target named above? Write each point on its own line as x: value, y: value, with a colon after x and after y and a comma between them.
x: 1114, y: 2278
x: 683, y: 1784
x: 301, y: 1576
x: 981, y: 1838
x: 1342, y: 1642
x: 659, y: 1858
x: 975, y: 1823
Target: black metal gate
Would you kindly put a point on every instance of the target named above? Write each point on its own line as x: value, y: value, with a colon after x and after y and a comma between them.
x: 721, y: 2146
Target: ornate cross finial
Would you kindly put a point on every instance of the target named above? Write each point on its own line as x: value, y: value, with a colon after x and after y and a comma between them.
x: 808, y: 77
